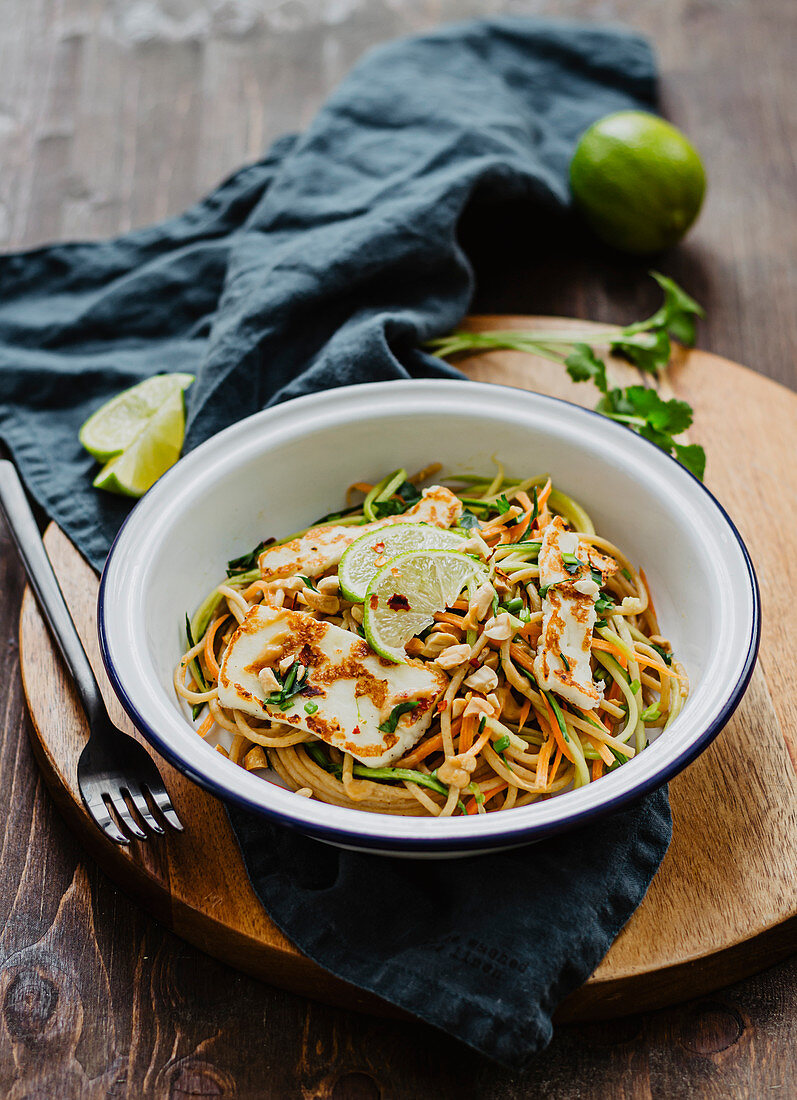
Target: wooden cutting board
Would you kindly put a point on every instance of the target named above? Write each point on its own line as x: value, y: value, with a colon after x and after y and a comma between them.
x: 724, y: 903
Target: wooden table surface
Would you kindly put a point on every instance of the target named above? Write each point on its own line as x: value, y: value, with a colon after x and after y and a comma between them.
x: 114, y: 113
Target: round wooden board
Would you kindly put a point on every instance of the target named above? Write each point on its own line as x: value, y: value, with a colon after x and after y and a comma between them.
x: 724, y: 903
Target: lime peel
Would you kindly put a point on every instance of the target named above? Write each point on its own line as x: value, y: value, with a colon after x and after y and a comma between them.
x: 404, y: 595
x: 367, y: 554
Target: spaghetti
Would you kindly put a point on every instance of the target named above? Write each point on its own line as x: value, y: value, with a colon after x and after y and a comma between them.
x: 499, y: 741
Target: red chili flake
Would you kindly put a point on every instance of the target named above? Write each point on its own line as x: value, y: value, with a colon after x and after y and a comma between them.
x: 398, y: 602
x: 355, y: 731
x: 378, y: 547
x: 374, y: 602
x: 442, y: 706
x: 474, y: 661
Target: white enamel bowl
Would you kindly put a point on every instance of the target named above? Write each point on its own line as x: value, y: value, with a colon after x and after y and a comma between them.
x: 277, y: 471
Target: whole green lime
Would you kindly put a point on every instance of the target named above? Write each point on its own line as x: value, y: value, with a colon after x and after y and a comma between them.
x: 638, y: 181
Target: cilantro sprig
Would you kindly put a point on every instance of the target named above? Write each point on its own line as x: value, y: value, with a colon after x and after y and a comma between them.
x: 646, y: 344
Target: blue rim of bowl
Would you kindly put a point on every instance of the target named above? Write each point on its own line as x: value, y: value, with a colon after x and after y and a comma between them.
x: 517, y: 838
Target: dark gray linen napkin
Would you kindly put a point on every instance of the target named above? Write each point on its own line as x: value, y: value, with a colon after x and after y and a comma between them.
x: 326, y: 263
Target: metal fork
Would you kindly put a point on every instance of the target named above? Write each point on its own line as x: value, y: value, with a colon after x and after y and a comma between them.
x: 113, y: 768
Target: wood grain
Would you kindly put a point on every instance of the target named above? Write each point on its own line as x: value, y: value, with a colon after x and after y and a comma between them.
x: 711, y: 903
x: 108, y: 119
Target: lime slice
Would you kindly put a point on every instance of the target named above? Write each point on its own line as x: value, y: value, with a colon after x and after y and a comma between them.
x: 404, y: 595
x: 115, y: 425
x: 638, y: 181
x: 156, y: 447
x: 365, y: 557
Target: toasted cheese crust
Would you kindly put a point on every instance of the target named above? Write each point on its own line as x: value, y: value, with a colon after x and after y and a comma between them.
x: 562, y: 664
x: 317, y: 551
x: 353, y: 690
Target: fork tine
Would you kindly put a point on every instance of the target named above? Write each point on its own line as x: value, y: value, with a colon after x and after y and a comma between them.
x: 164, y: 804
x: 141, y: 804
x: 99, y: 811
x: 123, y: 811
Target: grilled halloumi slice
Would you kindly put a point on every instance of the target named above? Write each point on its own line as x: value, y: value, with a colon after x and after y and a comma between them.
x: 349, y: 689
x: 562, y: 663
x: 317, y: 551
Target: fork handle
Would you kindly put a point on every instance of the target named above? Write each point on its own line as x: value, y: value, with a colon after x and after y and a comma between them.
x: 25, y: 533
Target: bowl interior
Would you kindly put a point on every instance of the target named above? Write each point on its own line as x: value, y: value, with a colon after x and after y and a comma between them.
x: 282, y: 469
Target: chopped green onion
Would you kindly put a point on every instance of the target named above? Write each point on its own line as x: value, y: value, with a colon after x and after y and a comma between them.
x: 635, y: 686
x: 565, y: 661
x: 651, y: 713
x: 501, y: 744
x: 389, y: 725
x: 482, y: 723
x: 310, y: 708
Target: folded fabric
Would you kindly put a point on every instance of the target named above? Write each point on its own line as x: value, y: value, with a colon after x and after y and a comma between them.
x: 327, y: 263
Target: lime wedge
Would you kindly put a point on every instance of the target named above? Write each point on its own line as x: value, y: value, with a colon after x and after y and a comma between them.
x: 117, y: 423
x: 365, y: 557
x: 156, y: 447
x: 403, y: 597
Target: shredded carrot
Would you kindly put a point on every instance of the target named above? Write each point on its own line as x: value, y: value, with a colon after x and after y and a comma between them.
x: 544, y: 493
x: 469, y: 726
x: 614, y: 692
x: 646, y: 662
x: 597, y: 769
x: 470, y: 805
x: 255, y: 586
x: 426, y: 749
x: 567, y: 751
x: 206, y: 726
x: 525, y: 660
x: 209, y: 655
x: 524, y: 713
x: 474, y: 750
x: 609, y: 647
x: 361, y: 487
x: 543, y: 761
x: 557, y: 760
x: 531, y: 632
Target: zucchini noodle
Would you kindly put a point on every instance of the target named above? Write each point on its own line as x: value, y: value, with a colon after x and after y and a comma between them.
x: 484, y: 750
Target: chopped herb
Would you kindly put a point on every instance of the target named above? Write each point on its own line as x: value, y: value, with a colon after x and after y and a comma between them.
x: 597, y: 576
x: 482, y: 724
x: 603, y: 603
x: 467, y: 521
x: 663, y: 653
x: 408, y: 495
x: 289, y: 687
x: 635, y: 686
x: 502, y: 505
x: 645, y: 343
x: 626, y: 573
x: 398, y: 775
x: 308, y: 582
x: 565, y: 661
x: 502, y: 744
x: 545, y: 589
x: 315, y: 751
x: 618, y: 759
x: 651, y: 713
x: 389, y: 725
x: 600, y: 622
x: 310, y: 708
x: 246, y: 561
